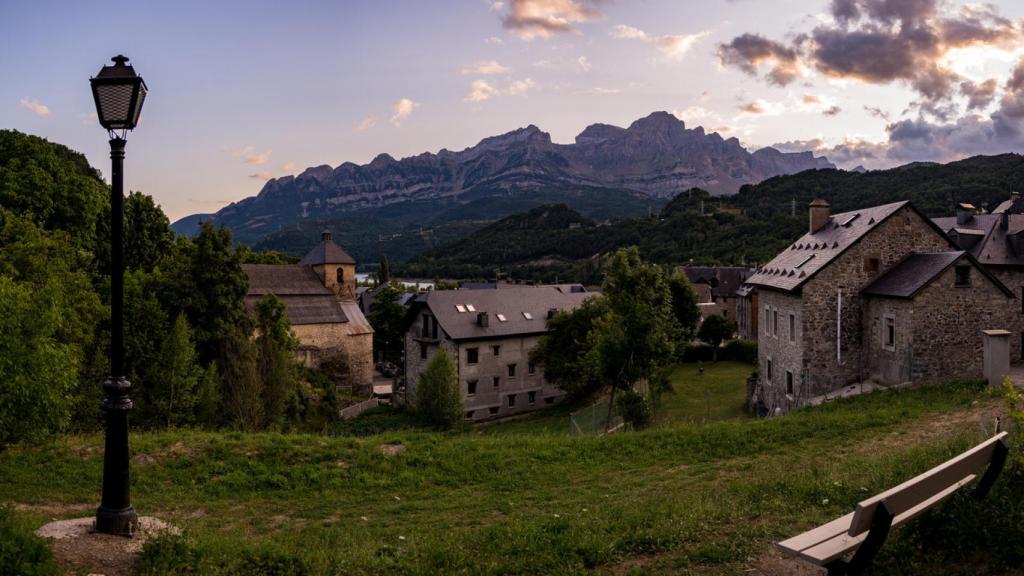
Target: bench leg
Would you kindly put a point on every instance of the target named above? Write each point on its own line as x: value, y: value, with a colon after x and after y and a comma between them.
x: 880, y: 526
x: 995, y: 466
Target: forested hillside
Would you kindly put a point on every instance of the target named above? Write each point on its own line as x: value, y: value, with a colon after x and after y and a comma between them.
x: 747, y: 228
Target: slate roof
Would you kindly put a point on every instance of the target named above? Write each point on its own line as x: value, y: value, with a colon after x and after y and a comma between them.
x: 994, y: 248
x: 912, y: 274
x: 306, y: 299
x: 307, y: 309
x: 327, y: 252
x: 724, y: 280
x: 813, y: 251
x: 509, y: 302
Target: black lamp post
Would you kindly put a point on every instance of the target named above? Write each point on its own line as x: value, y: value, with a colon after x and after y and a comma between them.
x: 119, y: 95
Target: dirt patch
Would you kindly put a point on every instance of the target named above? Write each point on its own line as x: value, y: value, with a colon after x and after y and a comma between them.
x: 79, y: 550
x: 773, y: 563
x: 54, y: 510
x: 392, y: 449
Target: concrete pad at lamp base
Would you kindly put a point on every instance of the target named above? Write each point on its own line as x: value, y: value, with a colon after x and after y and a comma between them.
x: 76, y: 545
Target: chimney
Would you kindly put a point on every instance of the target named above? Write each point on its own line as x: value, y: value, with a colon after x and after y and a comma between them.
x: 964, y: 213
x: 819, y: 215
x: 1014, y: 195
x: 325, y: 235
x: 552, y: 312
x: 482, y: 320
x: 1004, y: 220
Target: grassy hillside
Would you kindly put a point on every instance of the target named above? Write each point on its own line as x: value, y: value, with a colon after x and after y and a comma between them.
x: 689, y: 499
x: 750, y: 227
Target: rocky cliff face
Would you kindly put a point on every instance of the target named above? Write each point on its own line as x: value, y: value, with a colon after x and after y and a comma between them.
x: 655, y: 156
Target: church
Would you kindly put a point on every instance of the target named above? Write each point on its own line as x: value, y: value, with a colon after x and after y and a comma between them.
x: 319, y: 298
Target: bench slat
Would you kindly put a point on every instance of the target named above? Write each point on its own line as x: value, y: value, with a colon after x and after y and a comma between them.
x: 911, y: 493
x: 829, y: 550
x: 801, y: 542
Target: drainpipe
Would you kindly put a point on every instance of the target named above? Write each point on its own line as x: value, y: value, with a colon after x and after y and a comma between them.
x: 839, y: 326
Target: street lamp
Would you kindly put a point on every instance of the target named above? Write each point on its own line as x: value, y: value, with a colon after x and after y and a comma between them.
x: 119, y: 95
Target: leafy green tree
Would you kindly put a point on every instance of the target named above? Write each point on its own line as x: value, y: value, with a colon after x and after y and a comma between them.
x: 243, y: 389
x: 175, y: 376
x: 635, y: 341
x: 384, y: 272
x: 387, y: 317
x: 684, y: 305
x: 716, y: 329
x: 438, y: 399
x: 209, y: 401
x: 147, y: 232
x: 278, y: 370
x: 562, y: 352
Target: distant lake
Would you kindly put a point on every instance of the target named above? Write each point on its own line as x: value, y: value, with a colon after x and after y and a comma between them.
x: 362, y: 277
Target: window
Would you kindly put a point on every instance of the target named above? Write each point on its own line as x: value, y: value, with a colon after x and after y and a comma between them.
x: 1022, y: 299
x: 493, y: 410
x: 501, y: 318
x: 889, y: 333
x: 768, y: 369
x: 472, y: 355
x: 433, y: 327
x: 423, y: 351
x: 792, y: 327
x: 532, y: 397
x: 511, y: 400
x: 871, y: 265
x: 496, y: 350
x: 470, y: 308
x: 789, y: 382
x: 471, y: 387
x: 425, y: 330
x: 767, y: 322
x: 340, y: 275
x: 963, y: 276
x: 527, y: 315
x: 460, y: 308
x: 469, y: 415
x: 511, y: 370
x: 496, y: 381
x: 531, y: 368
x: 775, y: 323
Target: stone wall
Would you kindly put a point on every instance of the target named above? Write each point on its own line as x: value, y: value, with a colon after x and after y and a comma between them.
x: 826, y: 369
x: 777, y: 344
x: 889, y: 365
x: 414, y: 363
x: 319, y: 342
x: 1013, y: 278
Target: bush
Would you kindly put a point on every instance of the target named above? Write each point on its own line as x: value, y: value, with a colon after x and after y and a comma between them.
x: 21, y: 551
x: 740, y: 350
x: 634, y: 409
x: 272, y: 562
x: 438, y: 399
x: 168, y: 554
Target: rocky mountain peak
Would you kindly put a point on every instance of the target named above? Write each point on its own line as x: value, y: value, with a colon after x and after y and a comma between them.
x: 658, y: 121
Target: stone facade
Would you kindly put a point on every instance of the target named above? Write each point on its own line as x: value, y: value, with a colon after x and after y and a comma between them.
x: 1013, y: 278
x: 779, y: 349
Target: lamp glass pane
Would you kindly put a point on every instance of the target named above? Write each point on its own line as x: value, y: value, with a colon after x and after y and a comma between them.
x: 115, y: 104
x: 138, y: 105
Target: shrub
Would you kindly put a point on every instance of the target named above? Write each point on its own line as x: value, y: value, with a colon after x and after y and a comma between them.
x: 272, y: 562
x: 634, y: 409
x: 168, y: 554
x: 740, y: 350
x: 438, y: 399
x: 21, y: 551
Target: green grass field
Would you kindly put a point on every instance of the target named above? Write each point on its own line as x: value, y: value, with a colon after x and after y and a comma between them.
x: 677, y: 499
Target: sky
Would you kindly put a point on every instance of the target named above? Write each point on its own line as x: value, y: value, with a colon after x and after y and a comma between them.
x: 241, y: 92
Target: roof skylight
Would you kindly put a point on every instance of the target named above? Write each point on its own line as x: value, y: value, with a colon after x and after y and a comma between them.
x: 805, y: 261
x: 501, y: 318
x: 470, y: 308
x: 527, y: 315
x: 460, y: 308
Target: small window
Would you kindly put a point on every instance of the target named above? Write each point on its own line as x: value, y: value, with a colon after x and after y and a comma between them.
x: 963, y: 276
x: 532, y: 397
x: 460, y: 308
x: 471, y: 387
x: 493, y: 410
x: 496, y: 350
x: 531, y: 368
x: 470, y: 308
x: 423, y: 351
x: 496, y: 381
x: 433, y: 327
x: 789, y: 382
x: 511, y: 370
x: 775, y: 322
x: 472, y: 355
x: 511, y: 400
x: 527, y: 315
x: 889, y: 333
x: 501, y: 318
x: 792, y: 327
x: 768, y: 369
x: 425, y: 330
x: 340, y: 275
x: 871, y: 265
x: 469, y: 415
x: 1022, y: 299
x: 767, y: 322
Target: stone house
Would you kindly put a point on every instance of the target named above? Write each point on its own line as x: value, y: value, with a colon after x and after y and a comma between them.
x: 490, y: 334
x: 875, y: 294
x: 717, y: 289
x: 319, y: 298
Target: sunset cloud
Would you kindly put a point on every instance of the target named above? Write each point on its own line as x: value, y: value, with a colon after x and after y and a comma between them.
x: 236, y: 152
x: 583, y: 63
x: 401, y: 110
x: 369, y: 122
x: 481, y: 90
x: 35, y: 106
x: 529, y: 19
x: 749, y: 51
x: 485, y: 68
x: 258, y: 159
x: 672, y: 46
x: 288, y: 166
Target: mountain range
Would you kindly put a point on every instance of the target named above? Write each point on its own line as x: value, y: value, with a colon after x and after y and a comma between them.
x: 609, y: 171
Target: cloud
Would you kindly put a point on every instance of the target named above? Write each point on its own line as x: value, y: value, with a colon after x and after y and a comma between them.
x: 979, y: 95
x: 481, y: 89
x: 35, y: 106
x: 810, y: 99
x: 877, y: 112
x: 88, y: 118
x: 749, y: 51
x: 583, y: 63
x: 910, y: 42
x: 288, y: 166
x: 261, y: 176
x: 493, y: 41
x: 754, y: 107
x: 760, y: 107
x: 832, y: 111
x: 485, y: 68
x: 602, y: 90
x: 672, y: 46
x: 258, y: 159
x: 529, y: 19
x: 369, y: 122
x: 236, y: 152
x: 401, y: 110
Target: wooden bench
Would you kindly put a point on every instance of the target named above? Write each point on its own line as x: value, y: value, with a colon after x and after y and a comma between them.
x: 866, y: 528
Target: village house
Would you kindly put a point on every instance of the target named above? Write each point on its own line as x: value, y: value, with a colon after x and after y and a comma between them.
x: 880, y: 294
x: 490, y: 334
x: 719, y: 290
x: 319, y: 298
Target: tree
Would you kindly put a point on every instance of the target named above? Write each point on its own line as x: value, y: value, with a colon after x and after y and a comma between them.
x: 175, y: 376
x: 384, y: 273
x: 438, y: 399
x: 147, y: 232
x: 684, y: 305
x: 716, y: 329
x: 243, y: 398
x: 278, y: 372
x: 635, y: 341
x: 562, y: 352
x: 387, y: 317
